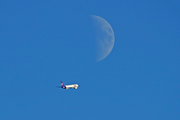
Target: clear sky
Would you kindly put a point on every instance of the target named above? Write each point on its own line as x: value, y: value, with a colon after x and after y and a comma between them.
x: 43, y: 42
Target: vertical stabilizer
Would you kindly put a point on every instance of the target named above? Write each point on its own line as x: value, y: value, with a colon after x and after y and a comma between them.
x: 62, y: 83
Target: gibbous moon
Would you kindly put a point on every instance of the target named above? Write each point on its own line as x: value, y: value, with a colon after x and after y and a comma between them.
x: 104, y: 37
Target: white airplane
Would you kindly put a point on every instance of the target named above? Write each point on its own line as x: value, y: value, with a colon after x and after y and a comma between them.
x: 75, y: 86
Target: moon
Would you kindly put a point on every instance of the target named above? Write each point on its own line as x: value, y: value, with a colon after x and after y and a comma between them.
x: 104, y: 37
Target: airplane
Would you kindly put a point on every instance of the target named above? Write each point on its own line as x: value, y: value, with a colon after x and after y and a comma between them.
x: 75, y: 86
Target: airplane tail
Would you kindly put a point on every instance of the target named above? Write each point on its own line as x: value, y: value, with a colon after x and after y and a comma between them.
x: 62, y: 83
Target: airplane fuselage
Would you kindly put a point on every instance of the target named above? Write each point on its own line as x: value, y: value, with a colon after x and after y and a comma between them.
x: 75, y: 86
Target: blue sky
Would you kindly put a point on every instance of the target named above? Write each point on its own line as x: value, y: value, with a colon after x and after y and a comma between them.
x: 43, y: 42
